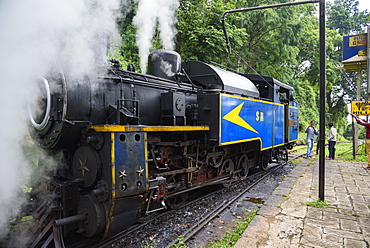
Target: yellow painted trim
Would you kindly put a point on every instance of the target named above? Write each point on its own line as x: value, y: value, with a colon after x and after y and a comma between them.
x: 146, y: 152
x: 246, y: 140
x: 219, y: 119
x: 117, y: 128
x: 113, y: 162
x: 264, y: 149
x: 241, y: 141
x: 270, y: 147
x: 113, y: 172
x: 234, y: 117
x: 294, y: 107
x: 293, y: 140
x: 251, y: 99
x: 248, y: 99
x: 279, y: 104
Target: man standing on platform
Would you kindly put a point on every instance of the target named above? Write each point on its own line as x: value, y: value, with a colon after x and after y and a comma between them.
x: 332, y: 139
x: 311, y: 131
x: 367, y: 142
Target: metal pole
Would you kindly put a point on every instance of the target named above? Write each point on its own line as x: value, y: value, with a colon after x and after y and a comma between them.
x: 368, y: 62
x: 353, y: 139
x: 358, y: 98
x: 368, y: 69
x: 322, y: 76
x: 322, y: 100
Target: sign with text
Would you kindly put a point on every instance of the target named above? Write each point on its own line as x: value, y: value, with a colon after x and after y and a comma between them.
x: 357, y: 40
x: 354, y: 45
x: 360, y: 107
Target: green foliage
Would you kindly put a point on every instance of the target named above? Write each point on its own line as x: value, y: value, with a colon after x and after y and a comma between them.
x: 200, y: 36
x: 181, y: 244
x: 230, y: 238
x: 286, y: 197
x: 279, y: 42
x: 345, y: 152
x: 348, y: 134
x: 307, y: 96
x: 318, y: 204
x: 345, y: 17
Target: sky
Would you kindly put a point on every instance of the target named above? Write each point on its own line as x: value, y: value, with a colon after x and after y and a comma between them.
x: 364, y: 4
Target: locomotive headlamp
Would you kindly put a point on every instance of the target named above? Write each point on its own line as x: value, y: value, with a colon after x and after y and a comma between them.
x: 43, y: 107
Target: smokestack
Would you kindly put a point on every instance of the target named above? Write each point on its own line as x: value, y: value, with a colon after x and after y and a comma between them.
x: 150, y: 15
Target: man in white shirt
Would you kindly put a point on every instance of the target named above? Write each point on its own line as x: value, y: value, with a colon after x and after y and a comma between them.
x: 332, y: 138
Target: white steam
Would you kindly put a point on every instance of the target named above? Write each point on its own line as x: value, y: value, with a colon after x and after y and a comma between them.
x: 152, y: 14
x: 35, y: 35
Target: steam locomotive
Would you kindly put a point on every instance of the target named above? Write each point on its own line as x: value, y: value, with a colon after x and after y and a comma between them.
x: 134, y: 144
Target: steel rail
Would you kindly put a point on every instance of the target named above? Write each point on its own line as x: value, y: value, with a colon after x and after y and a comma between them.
x: 192, y: 231
x: 144, y: 222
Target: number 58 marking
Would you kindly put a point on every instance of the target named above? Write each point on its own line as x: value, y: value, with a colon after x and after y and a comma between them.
x: 260, y: 116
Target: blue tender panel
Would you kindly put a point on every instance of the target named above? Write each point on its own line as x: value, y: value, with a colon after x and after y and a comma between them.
x: 293, y: 125
x: 244, y: 119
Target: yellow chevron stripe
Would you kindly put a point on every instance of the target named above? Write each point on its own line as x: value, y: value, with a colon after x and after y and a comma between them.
x: 233, y: 117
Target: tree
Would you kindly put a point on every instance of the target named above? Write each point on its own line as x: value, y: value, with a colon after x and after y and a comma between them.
x: 200, y: 35
x: 345, y: 17
x: 280, y: 42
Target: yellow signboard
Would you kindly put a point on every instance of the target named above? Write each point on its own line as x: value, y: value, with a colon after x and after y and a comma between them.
x: 358, y: 40
x: 360, y: 107
x: 362, y: 53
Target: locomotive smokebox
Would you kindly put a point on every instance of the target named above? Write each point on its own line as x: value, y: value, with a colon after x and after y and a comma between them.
x: 164, y: 63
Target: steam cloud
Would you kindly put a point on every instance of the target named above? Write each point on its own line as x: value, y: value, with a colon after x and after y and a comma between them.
x: 36, y: 35
x: 150, y: 15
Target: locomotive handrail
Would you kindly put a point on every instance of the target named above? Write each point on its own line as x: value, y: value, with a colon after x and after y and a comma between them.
x: 164, y: 84
x: 142, y: 128
x: 225, y: 67
x: 187, y: 76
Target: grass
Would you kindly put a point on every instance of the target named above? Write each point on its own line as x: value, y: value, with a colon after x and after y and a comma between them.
x: 181, y: 244
x: 231, y: 237
x: 286, y: 197
x: 344, y: 151
x: 318, y: 204
x: 296, y: 161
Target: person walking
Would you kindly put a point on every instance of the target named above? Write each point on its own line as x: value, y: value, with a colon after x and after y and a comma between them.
x: 367, y: 141
x: 332, y: 139
x: 311, y: 131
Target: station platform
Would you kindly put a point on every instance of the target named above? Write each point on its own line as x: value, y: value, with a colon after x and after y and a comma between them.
x: 286, y: 221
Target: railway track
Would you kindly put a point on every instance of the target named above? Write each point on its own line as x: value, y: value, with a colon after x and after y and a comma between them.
x: 190, y: 230
x: 194, y: 229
